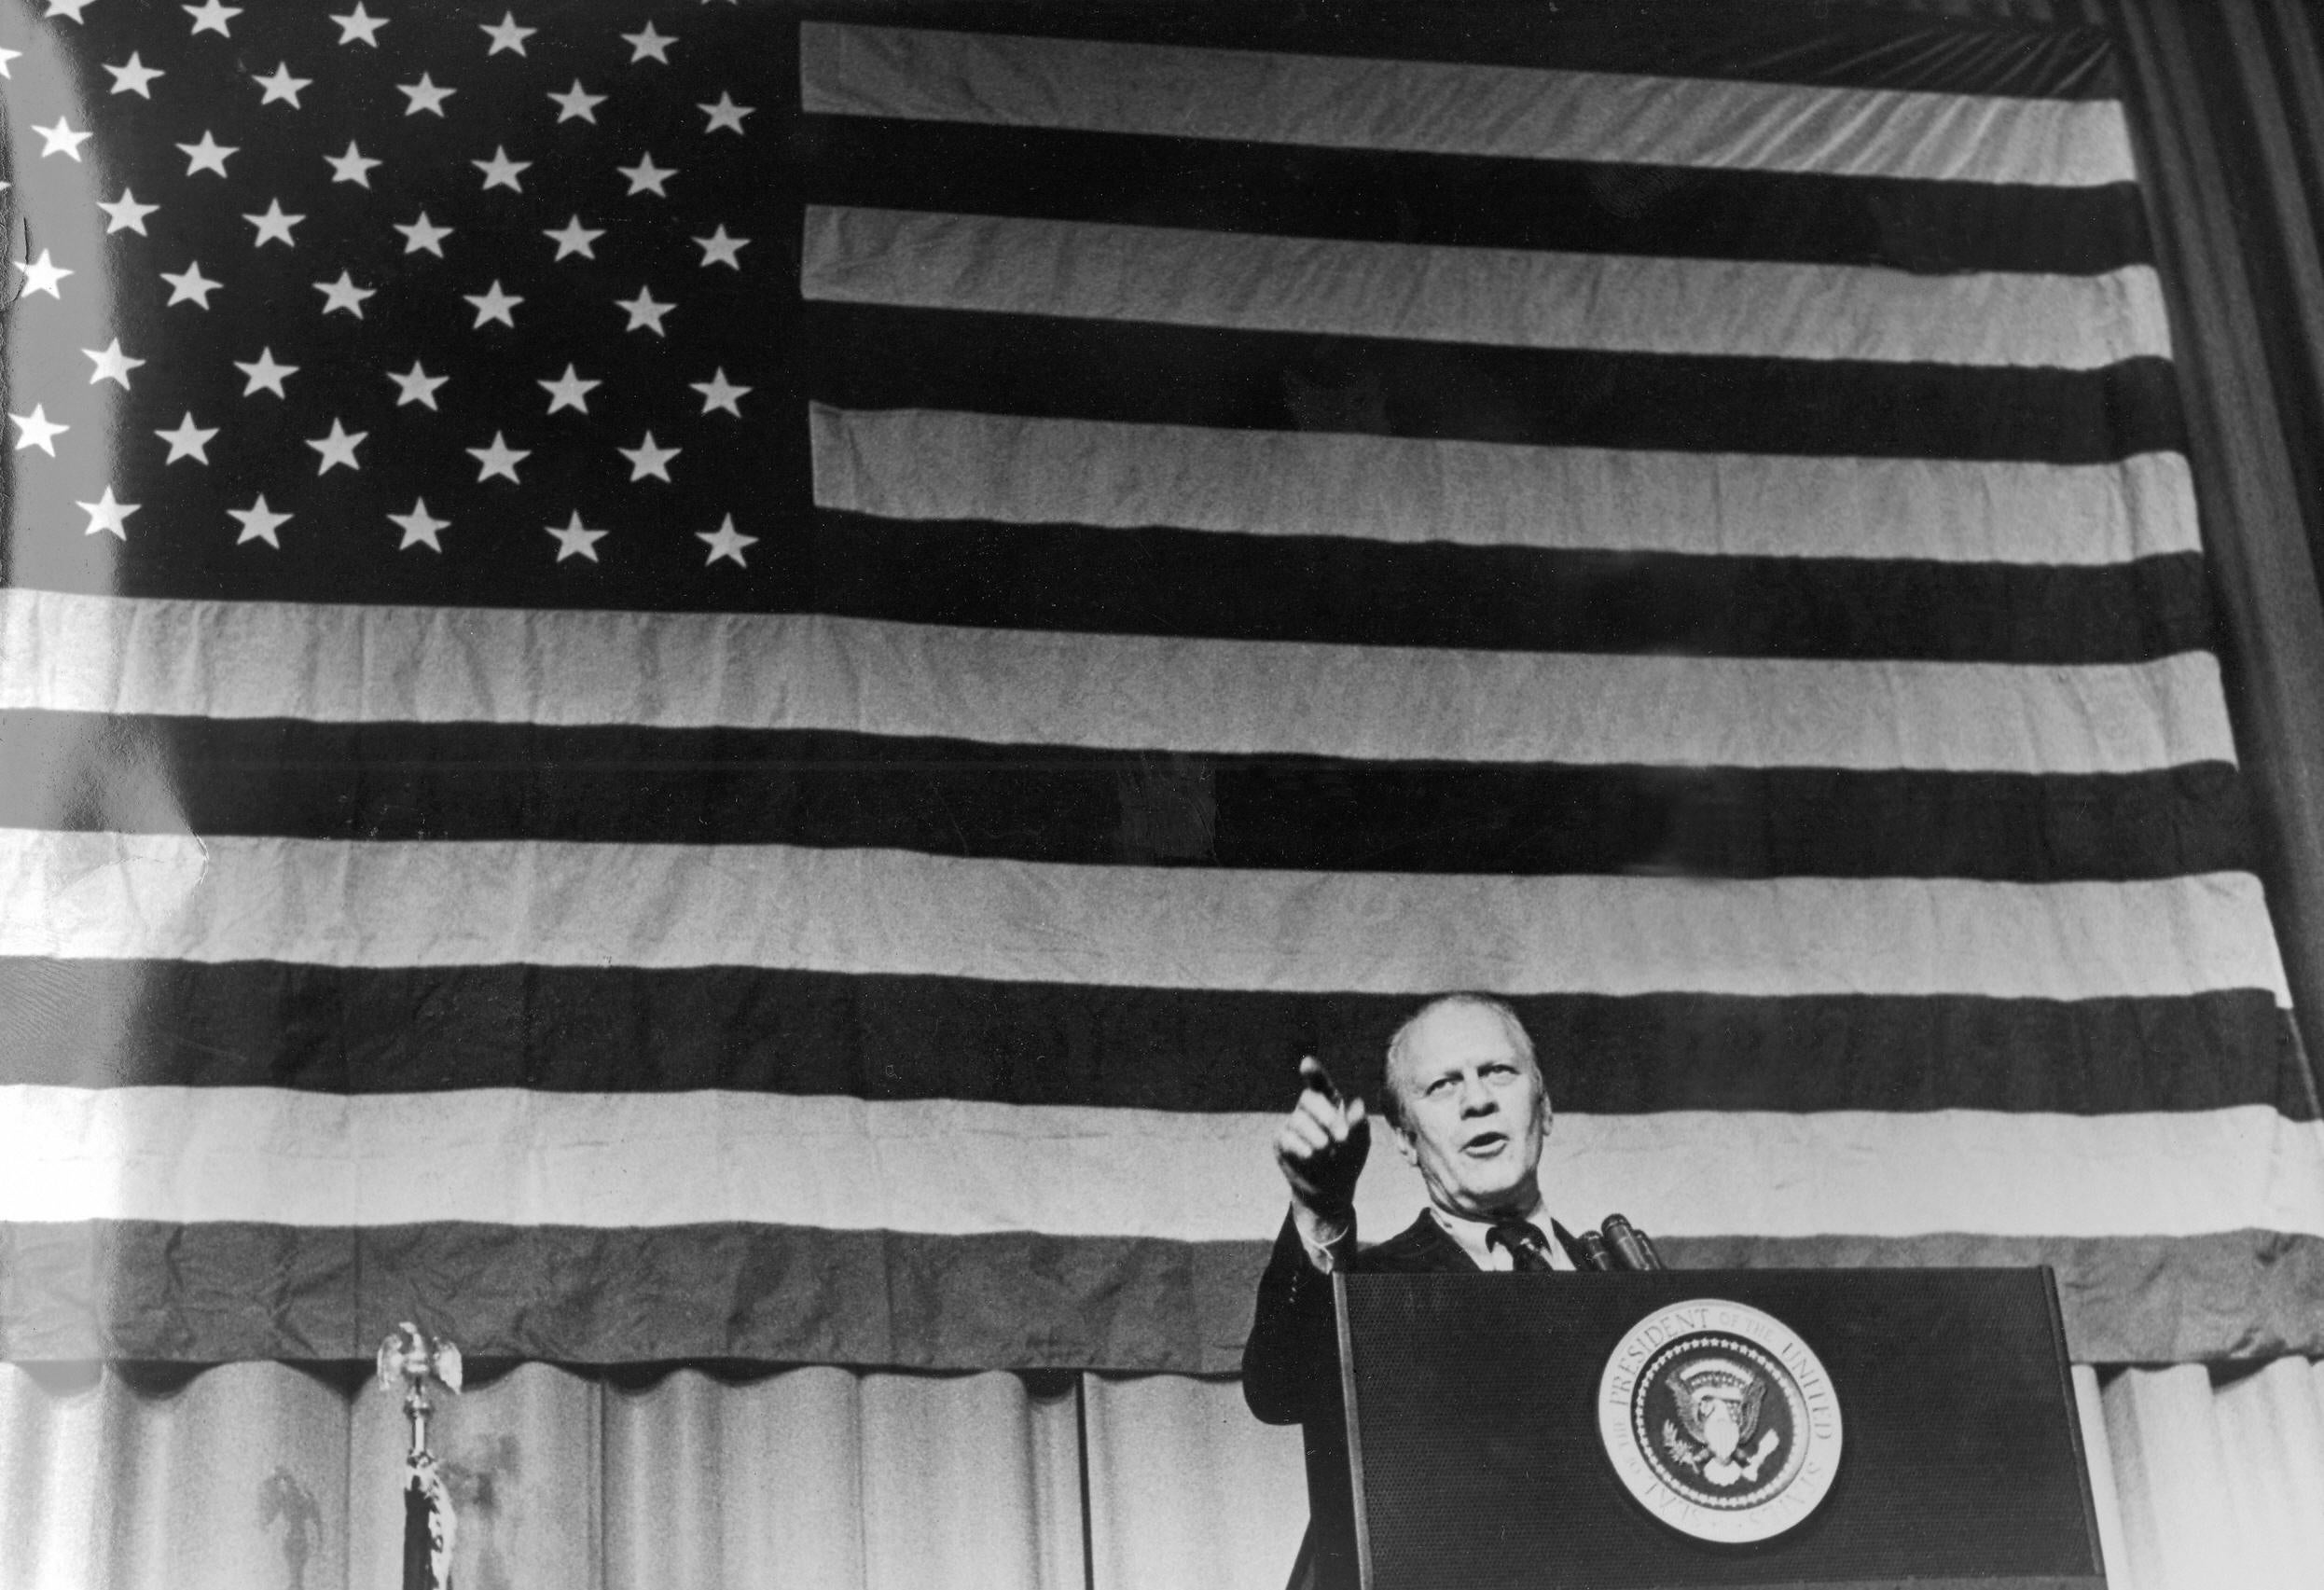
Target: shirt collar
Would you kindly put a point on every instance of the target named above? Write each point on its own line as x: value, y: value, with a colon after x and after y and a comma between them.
x: 1471, y: 1234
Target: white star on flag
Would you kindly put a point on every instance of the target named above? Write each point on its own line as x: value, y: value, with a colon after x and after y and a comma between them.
x: 647, y: 459
x: 423, y: 234
x: 646, y: 311
x: 126, y: 215
x: 574, y: 238
x: 720, y: 393
x: 337, y: 447
x: 726, y: 541
x: 106, y: 514
x: 188, y: 440
x: 207, y: 156
x: 577, y: 104
x: 42, y: 275
x: 61, y: 140
x: 359, y: 26
x: 574, y: 541
x: 259, y: 522
x: 8, y: 55
x: 352, y: 166
x: 647, y: 42
x: 416, y: 385
x: 506, y: 35
x: 344, y: 294
x: 500, y: 170
x: 646, y: 174
x: 419, y: 527
x: 424, y: 96
x: 38, y: 431
x: 70, y: 9
x: 281, y: 86
x: 274, y: 225
x: 211, y: 16
x: 498, y: 459
x: 494, y: 304
x: 133, y: 76
x: 190, y: 285
x: 264, y: 372
x: 112, y: 364
x: 726, y: 116
x: 569, y: 391
x: 720, y: 249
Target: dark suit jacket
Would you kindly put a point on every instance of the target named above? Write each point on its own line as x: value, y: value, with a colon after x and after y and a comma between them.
x: 1291, y: 1375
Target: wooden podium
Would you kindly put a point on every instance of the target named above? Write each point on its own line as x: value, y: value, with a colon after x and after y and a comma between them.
x: 1840, y: 1428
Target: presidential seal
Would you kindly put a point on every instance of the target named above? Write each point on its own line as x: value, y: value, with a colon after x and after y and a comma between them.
x: 1720, y: 1420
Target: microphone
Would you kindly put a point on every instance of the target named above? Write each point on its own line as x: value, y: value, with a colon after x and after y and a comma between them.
x: 1630, y: 1248
x: 1618, y: 1245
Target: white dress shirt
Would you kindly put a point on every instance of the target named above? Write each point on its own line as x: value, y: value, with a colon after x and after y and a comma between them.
x: 1328, y: 1248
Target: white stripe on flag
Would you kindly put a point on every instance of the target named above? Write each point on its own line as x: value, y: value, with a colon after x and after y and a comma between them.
x: 395, y: 903
x: 1444, y: 108
x: 509, y: 1157
x: 1504, y: 298
x: 437, y: 665
x: 918, y: 463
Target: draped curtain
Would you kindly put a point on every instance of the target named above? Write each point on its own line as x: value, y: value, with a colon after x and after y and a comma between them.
x: 258, y: 1475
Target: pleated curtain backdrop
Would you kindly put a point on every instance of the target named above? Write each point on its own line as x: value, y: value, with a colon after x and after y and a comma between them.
x: 251, y: 1476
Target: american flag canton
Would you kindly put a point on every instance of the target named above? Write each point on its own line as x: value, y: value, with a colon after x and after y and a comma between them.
x: 406, y: 303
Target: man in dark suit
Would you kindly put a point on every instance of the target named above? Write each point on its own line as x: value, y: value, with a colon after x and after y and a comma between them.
x: 1466, y: 1106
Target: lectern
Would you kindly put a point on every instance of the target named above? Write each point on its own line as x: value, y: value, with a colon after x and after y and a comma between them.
x: 1680, y: 1428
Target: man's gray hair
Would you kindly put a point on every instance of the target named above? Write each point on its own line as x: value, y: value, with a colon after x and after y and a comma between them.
x: 1392, y: 1102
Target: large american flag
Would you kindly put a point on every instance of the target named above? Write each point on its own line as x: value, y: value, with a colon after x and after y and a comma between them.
x: 737, y: 681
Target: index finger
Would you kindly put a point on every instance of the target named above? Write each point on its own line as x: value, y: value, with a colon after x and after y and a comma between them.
x: 1313, y: 1077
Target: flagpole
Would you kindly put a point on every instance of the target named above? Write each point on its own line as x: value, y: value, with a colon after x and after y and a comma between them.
x: 410, y: 1362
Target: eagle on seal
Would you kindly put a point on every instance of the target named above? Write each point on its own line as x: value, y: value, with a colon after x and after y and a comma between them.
x: 1718, y: 1402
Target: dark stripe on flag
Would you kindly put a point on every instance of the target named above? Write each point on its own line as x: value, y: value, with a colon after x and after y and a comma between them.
x: 1776, y: 41
x: 1663, y: 212
x: 208, y: 1292
x: 1353, y: 592
x: 866, y: 356
x: 252, y: 1024
x: 303, y: 779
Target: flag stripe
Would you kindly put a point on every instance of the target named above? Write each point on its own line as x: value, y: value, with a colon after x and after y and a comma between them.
x: 355, y: 1031
x: 1781, y: 41
x: 946, y: 1167
x: 452, y: 904
x: 1502, y: 297
x: 923, y: 465
x: 874, y: 356
x: 354, y: 664
x: 1097, y: 580
x: 478, y: 781
x: 1435, y: 108
x: 201, y: 1294
x: 1668, y: 212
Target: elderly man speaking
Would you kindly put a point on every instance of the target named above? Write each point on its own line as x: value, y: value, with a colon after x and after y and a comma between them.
x: 1466, y: 1106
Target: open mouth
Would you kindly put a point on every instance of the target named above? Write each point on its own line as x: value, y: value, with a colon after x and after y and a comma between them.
x: 1484, y: 1144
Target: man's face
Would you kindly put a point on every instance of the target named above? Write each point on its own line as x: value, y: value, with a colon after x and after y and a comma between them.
x: 1475, y: 1110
